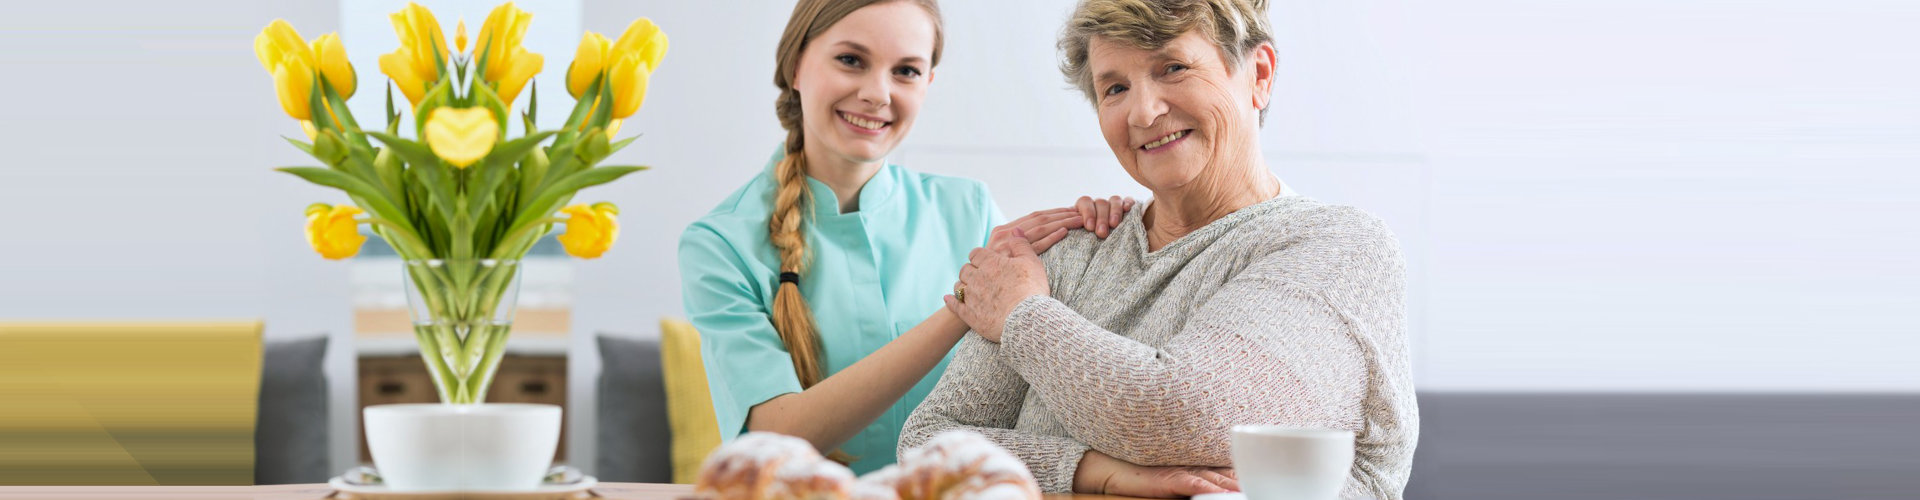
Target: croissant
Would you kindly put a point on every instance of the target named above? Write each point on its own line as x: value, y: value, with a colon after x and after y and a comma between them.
x: 767, y: 466
x: 958, y: 465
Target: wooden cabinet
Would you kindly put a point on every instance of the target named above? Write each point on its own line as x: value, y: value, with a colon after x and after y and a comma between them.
x: 521, y: 379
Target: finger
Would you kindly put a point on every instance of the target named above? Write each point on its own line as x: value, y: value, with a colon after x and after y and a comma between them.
x: 1048, y: 228
x: 1119, y: 209
x: 1050, y: 219
x: 1190, y: 485
x: 953, y: 305
x: 1087, y: 212
x: 1019, y: 245
x: 1106, y: 212
x: 1130, y: 203
x: 1040, y: 247
x: 974, y: 256
x: 1220, y: 479
x: 1227, y: 471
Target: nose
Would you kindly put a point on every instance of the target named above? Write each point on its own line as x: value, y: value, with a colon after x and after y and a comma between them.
x: 876, y: 91
x: 1144, y: 106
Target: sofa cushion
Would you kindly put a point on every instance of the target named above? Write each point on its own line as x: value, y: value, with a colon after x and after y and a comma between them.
x: 634, y: 443
x: 290, y: 438
x: 689, y: 404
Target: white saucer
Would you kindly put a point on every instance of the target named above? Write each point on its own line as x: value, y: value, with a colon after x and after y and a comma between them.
x: 544, y: 492
x: 1221, y: 496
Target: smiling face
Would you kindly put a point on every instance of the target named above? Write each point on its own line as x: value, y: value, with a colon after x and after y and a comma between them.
x: 862, y: 80
x: 1175, y: 115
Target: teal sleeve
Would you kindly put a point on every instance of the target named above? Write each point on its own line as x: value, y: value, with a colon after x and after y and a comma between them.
x: 746, y: 362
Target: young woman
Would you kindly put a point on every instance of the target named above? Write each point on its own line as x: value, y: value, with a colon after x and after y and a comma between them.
x: 817, y: 287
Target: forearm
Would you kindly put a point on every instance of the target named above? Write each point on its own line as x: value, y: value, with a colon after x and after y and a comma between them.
x: 833, y: 411
x: 1173, y: 405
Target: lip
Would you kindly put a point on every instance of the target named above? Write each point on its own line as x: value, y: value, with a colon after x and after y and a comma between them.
x: 1163, y: 147
x: 840, y: 116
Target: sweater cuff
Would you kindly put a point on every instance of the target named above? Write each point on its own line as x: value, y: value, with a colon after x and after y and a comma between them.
x: 1056, y: 476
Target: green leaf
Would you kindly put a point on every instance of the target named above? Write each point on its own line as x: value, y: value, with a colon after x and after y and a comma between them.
x: 494, y: 169
x: 434, y: 175
x: 622, y: 144
x: 348, y: 127
x: 393, y: 117
x: 493, y: 103
x: 304, y: 146
x: 380, y: 205
x: 551, y: 197
x: 435, y: 97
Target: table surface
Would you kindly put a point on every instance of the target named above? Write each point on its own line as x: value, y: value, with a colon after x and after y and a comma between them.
x: 613, y: 491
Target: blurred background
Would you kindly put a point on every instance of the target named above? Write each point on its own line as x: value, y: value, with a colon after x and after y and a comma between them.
x: 1654, y: 247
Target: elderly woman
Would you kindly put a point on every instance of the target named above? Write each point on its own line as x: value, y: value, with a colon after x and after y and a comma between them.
x: 1119, y: 365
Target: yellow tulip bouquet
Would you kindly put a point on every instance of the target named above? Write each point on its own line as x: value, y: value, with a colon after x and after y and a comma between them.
x: 462, y: 201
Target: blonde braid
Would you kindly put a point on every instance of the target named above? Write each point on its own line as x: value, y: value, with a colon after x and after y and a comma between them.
x: 791, y: 316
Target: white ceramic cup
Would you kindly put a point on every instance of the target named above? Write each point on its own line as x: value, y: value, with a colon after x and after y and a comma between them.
x: 444, y: 447
x: 1290, y: 463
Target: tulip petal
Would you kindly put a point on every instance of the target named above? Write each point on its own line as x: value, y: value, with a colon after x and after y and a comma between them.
x: 293, y: 82
x: 461, y: 136
x: 628, y: 83
x: 588, y: 62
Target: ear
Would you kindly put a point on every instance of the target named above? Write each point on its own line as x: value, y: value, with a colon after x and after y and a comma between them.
x: 1264, y: 61
x: 929, y: 76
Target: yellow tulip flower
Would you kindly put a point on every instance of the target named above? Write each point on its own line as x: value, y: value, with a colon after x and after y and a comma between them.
x: 460, y: 37
x: 416, y: 65
x: 279, y: 41
x: 591, y: 230
x: 644, y: 39
x: 589, y: 61
x: 331, y: 56
x: 508, y: 64
x: 632, y: 60
x: 293, y: 63
x: 627, y: 81
x: 461, y: 136
x: 293, y: 81
x: 332, y: 231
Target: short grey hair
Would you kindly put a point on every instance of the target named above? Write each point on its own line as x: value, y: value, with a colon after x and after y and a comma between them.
x: 1235, y: 26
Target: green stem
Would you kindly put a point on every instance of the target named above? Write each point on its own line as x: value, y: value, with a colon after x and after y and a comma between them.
x: 514, y: 237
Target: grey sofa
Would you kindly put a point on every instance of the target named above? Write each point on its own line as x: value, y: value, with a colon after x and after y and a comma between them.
x: 290, y: 433
x: 1520, y: 446
x: 635, y: 441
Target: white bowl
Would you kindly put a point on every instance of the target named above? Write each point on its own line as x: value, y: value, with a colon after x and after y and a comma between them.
x: 444, y: 447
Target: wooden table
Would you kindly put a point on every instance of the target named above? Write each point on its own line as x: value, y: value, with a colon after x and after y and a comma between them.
x: 612, y: 491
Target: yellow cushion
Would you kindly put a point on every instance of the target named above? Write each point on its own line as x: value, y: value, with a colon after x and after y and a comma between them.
x: 128, y: 403
x: 689, y: 406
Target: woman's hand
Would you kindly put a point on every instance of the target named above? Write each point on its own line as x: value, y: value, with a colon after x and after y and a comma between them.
x: 1105, y: 475
x: 995, y: 280
x: 1050, y: 225
x: 1101, y: 216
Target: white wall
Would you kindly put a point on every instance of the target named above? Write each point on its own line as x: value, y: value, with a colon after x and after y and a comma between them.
x: 1599, y: 195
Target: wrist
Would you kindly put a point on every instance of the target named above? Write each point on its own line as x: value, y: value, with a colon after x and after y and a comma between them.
x: 1094, y: 474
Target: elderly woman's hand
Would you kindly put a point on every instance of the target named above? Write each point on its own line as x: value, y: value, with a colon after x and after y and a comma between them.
x: 997, y: 278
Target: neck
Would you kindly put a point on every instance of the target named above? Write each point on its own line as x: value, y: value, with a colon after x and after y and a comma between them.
x: 1178, y: 211
x: 843, y: 175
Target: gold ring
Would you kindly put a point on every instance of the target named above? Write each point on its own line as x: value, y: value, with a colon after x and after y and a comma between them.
x: 960, y: 294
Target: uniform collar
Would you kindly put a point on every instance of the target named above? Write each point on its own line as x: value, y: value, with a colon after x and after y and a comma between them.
x: 873, y: 196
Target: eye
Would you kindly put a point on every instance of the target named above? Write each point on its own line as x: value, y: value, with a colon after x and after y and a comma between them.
x: 848, y: 59
x: 907, y: 72
x: 1176, y: 67
x: 1116, y: 89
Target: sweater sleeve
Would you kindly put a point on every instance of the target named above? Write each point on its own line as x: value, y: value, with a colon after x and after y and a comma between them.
x: 980, y: 393
x: 1262, y: 350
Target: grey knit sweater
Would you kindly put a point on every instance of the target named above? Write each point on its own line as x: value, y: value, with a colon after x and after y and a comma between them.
x: 1288, y: 312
